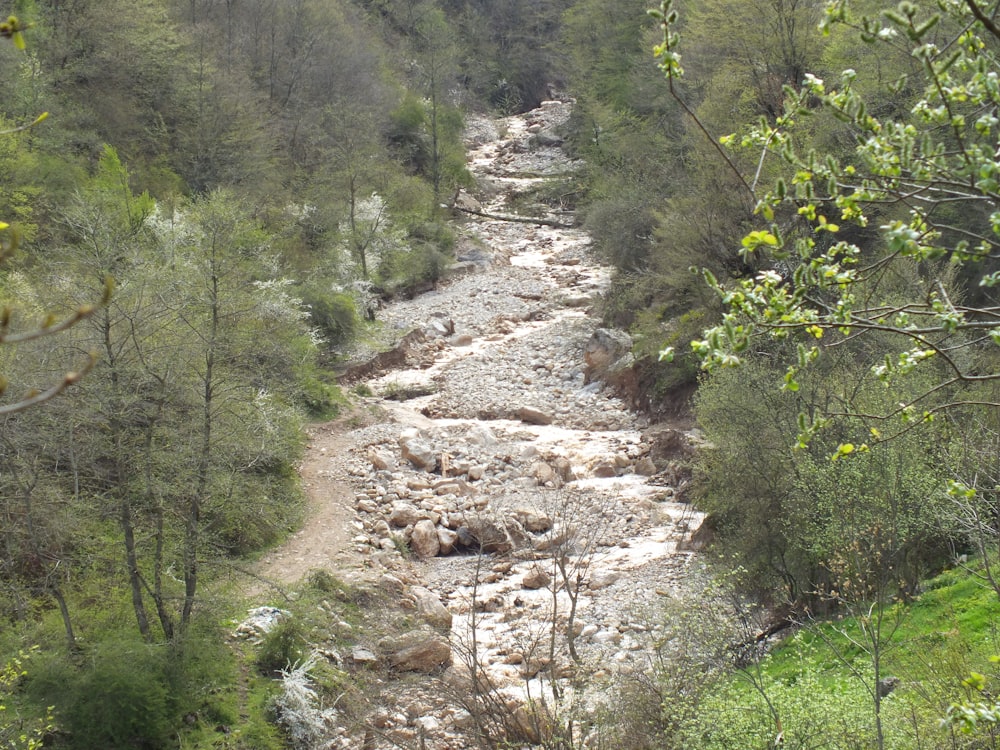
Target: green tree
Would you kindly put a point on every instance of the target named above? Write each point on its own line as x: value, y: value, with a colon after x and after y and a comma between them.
x: 923, y: 174
x: 440, y: 120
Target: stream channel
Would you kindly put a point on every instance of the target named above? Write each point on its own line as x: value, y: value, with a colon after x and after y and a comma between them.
x: 495, y: 438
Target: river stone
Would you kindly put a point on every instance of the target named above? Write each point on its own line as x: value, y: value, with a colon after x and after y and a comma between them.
x: 481, y: 435
x: 605, y: 347
x: 531, y: 415
x: 533, y: 520
x: 424, y: 540
x: 363, y: 656
x: 427, y: 725
x: 418, y: 452
x: 601, y: 579
x: 534, y: 722
x: 381, y: 459
x: 564, y: 468
x: 645, y: 467
x: 390, y: 584
x: 405, y: 514
x: 491, y: 534
x: 547, y: 139
x: 416, y: 651
x: 536, y: 578
x: 466, y: 202
x: 605, y: 469
x: 544, y: 474
x: 447, y: 539
x: 577, y: 300
x: 430, y: 608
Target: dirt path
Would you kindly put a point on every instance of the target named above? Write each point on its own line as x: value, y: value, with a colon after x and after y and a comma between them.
x: 324, y: 541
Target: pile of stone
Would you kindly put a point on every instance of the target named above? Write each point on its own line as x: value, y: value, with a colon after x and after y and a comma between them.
x: 457, y: 488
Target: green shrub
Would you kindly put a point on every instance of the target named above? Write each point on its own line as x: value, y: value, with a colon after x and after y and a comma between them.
x: 403, y: 271
x: 622, y: 230
x: 258, y: 513
x: 322, y: 399
x: 123, y: 696
x: 333, y: 313
x: 283, y: 646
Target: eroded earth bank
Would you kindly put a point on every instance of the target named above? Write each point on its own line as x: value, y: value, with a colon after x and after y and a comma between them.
x: 516, y: 526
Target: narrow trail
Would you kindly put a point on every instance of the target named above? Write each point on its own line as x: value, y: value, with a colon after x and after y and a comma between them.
x: 491, y: 436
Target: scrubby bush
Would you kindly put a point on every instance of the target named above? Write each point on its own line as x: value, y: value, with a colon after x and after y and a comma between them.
x: 125, y: 695
x: 283, y: 647
x: 334, y: 314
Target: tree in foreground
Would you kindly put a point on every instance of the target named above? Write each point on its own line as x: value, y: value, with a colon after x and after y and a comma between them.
x: 868, y: 296
x: 916, y: 196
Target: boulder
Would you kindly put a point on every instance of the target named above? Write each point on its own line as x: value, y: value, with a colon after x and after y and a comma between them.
x: 533, y: 520
x: 491, y: 534
x: 362, y: 656
x: 603, y: 350
x: 430, y: 608
x: 390, y: 584
x: 424, y: 540
x: 577, y: 300
x: 416, y: 651
x: 536, y: 578
x: 447, y: 540
x: 465, y: 202
x: 645, y: 467
x: 481, y: 435
x: 441, y: 328
x: 418, y: 452
x: 564, y: 469
x: 547, y: 139
x: 601, y: 579
x: 544, y: 474
x: 405, y: 514
x: 534, y: 722
x: 605, y: 469
x: 531, y: 415
x: 381, y: 459
x: 668, y: 444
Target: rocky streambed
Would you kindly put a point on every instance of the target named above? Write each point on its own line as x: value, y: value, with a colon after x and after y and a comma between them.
x: 524, y: 515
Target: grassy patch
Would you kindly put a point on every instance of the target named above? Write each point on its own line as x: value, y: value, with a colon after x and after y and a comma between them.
x: 816, y: 688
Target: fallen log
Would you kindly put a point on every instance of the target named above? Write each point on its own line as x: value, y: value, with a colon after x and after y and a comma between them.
x: 519, y: 219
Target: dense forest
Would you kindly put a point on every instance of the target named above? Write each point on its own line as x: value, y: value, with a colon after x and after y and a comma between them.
x: 206, y: 201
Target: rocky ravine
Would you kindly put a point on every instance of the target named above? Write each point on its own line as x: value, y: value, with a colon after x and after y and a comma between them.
x: 498, y: 437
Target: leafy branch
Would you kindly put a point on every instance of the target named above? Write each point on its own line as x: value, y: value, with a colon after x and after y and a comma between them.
x: 909, y: 175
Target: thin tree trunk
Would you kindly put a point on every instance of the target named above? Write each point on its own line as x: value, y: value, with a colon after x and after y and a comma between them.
x: 134, y: 577
x: 64, y: 613
x: 124, y: 503
x: 198, y: 497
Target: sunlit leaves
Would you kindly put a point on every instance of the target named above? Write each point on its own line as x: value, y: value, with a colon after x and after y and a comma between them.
x: 926, y: 167
x: 754, y: 240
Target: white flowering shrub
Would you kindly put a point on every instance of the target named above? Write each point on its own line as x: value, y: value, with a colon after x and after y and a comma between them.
x: 299, y: 710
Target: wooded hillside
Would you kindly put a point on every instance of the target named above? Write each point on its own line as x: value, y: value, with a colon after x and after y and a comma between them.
x: 800, y: 200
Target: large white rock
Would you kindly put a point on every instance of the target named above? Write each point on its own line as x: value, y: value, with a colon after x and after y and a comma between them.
x: 416, y: 651
x: 406, y: 514
x: 430, y: 608
x: 424, y: 541
x: 419, y: 452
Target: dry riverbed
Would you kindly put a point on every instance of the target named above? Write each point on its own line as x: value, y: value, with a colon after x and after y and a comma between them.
x: 493, y: 486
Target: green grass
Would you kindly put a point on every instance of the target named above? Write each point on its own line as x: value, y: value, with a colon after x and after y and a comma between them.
x: 818, y: 680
